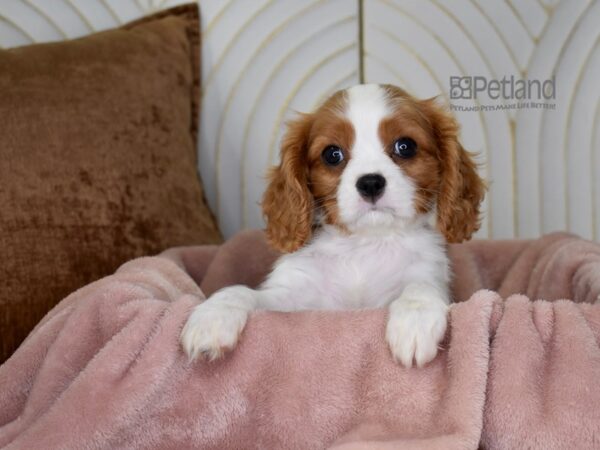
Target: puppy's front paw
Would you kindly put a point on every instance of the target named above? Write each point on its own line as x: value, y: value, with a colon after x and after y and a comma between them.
x: 416, y: 325
x: 215, y: 325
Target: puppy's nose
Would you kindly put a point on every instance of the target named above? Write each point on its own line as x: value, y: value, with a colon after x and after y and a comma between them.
x: 370, y: 186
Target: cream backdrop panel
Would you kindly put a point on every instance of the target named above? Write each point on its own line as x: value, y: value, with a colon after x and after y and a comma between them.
x: 264, y: 59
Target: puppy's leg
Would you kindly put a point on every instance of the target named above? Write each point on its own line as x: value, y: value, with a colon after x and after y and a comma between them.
x: 417, y: 323
x: 216, y: 324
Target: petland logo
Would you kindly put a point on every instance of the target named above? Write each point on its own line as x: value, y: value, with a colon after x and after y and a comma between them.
x: 527, y: 93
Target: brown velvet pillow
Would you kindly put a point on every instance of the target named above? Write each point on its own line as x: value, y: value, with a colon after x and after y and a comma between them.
x: 97, y: 160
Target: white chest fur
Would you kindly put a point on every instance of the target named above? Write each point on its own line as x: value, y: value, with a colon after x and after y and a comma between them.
x: 339, y: 271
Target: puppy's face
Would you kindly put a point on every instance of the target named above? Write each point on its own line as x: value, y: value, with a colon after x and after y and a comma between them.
x: 372, y: 157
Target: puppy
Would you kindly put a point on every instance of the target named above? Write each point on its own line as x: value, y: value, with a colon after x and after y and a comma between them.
x: 370, y: 188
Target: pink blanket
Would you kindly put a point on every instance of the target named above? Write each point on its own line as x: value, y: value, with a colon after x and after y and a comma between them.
x: 104, y: 369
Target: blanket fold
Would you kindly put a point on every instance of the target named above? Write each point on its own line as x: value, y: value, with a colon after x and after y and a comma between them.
x: 104, y: 368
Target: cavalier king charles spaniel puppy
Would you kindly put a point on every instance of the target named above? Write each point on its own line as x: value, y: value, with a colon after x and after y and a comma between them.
x: 369, y: 190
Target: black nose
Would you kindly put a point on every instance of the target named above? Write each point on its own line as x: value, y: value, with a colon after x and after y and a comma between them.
x: 371, y: 186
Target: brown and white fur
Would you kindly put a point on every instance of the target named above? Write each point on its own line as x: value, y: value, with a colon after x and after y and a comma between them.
x: 349, y: 242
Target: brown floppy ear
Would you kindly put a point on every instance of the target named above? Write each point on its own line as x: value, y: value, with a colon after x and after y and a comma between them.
x: 288, y: 203
x: 461, y: 189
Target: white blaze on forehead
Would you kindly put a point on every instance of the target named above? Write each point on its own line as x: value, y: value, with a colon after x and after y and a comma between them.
x: 363, y: 97
x: 367, y: 107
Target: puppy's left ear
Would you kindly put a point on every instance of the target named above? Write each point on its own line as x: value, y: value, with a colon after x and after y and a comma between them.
x: 461, y: 189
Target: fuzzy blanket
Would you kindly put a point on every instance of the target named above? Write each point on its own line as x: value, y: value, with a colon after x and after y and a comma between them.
x: 104, y: 369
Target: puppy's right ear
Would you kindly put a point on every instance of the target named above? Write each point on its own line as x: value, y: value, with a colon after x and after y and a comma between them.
x: 288, y: 203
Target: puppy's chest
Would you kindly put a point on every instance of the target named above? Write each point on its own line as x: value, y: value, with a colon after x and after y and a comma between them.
x: 368, y: 277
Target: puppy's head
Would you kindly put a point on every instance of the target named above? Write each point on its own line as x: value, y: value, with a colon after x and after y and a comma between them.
x: 371, y: 156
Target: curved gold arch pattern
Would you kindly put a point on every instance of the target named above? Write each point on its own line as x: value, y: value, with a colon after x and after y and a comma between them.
x: 286, y: 57
x: 261, y: 47
x: 251, y: 77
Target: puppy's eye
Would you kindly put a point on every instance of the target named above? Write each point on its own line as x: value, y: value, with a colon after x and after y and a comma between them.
x: 405, y: 148
x: 332, y: 155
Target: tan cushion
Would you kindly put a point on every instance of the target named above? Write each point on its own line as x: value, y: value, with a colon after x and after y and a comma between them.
x: 97, y: 160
